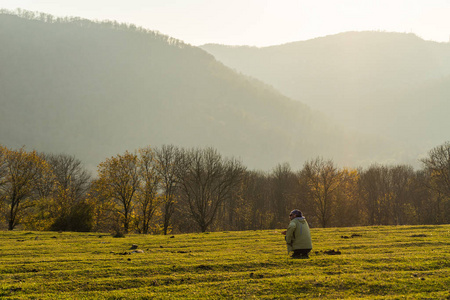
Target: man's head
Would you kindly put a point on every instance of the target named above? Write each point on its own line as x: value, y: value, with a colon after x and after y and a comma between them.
x: 295, y: 213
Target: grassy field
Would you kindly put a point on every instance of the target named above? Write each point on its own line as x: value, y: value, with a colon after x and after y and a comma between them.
x: 401, y: 262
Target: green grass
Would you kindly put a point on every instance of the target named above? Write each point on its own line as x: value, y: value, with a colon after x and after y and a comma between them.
x: 385, y: 262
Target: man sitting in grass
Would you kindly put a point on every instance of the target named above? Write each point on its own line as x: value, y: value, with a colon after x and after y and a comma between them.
x: 298, y: 236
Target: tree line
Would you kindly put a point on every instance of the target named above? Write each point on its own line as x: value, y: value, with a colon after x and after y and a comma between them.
x: 107, y: 24
x: 173, y: 189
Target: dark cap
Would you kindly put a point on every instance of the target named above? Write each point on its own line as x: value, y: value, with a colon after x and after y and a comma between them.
x: 296, y: 212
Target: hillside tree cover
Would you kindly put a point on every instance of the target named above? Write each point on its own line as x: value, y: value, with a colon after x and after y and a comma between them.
x: 158, y: 90
x: 362, y: 79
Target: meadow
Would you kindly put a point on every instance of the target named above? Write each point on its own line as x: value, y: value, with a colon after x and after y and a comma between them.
x: 384, y: 262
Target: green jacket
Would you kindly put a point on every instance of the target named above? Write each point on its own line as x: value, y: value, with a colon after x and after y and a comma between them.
x: 298, y: 235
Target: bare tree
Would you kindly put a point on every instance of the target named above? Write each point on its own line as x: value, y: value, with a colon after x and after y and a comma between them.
x: 167, y: 159
x: 438, y: 165
x: 284, y: 192
x: 3, y: 173
x: 322, y: 179
x: 255, y: 208
x: 70, y: 175
x: 71, y: 184
x: 376, y: 193
x: 148, y: 199
x: 402, y: 177
x: 424, y: 209
x: 206, y: 180
x: 3, y: 169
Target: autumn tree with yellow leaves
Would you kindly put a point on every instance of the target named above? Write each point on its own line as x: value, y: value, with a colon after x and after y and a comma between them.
x: 22, y: 174
x: 118, y: 180
x: 128, y: 183
x: 349, y: 207
x: 104, y: 210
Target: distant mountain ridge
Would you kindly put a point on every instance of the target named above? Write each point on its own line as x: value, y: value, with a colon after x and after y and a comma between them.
x: 97, y: 89
x: 390, y: 84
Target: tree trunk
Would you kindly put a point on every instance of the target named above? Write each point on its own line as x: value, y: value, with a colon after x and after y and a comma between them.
x: 12, y: 217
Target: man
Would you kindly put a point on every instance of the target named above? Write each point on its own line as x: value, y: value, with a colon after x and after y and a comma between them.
x: 298, y: 236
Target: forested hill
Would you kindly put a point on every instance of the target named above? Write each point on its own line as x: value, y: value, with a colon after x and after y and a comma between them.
x: 393, y: 84
x: 97, y: 89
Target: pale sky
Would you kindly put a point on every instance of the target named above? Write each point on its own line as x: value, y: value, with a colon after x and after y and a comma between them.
x: 258, y: 22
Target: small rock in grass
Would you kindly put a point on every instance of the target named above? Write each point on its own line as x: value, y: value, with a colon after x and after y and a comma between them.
x: 318, y: 284
x: 332, y: 252
x: 204, y: 267
x: 134, y: 246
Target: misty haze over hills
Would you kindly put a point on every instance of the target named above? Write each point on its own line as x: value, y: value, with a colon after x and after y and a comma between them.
x: 95, y: 90
x: 390, y: 84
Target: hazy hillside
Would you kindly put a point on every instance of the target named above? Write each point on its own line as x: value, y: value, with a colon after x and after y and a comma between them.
x: 96, y: 90
x: 392, y: 84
